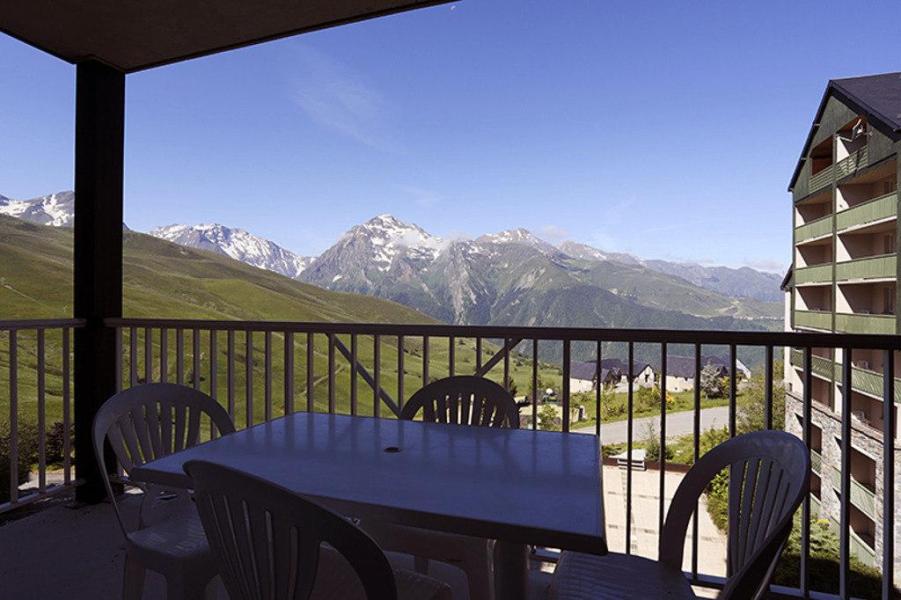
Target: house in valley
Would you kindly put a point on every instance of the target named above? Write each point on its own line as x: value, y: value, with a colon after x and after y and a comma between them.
x: 583, y: 376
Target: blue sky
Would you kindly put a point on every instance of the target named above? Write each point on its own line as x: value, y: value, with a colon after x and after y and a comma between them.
x: 669, y: 130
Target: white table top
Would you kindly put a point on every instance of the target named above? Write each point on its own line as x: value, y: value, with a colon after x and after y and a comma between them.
x: 522, y: 486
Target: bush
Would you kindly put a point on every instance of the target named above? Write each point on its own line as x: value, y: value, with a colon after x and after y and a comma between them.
x: 712, y: 383
x: 823, y: 565
x: 652, y: 445
x: 55, y: 443
x: 548, y: 419
x: 27, y: 447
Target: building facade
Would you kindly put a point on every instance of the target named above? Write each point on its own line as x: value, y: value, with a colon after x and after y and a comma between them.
x: 844, y: 279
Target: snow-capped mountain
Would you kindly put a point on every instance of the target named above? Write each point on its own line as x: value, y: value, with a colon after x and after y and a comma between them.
x: 237, y: 244
x: 510, y: 277
x: 56, y: 210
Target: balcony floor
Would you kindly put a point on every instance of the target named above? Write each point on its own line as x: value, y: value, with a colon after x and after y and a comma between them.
x: 60, y: 552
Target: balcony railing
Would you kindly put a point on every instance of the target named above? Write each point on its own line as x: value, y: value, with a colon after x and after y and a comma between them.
x: 864, y: 323
x: 262, y: 370
x: 36, y: 418
x: 874, y: 267
x: 853, y: 162
x: 877, y: 209
x: 813, y: 229
x: 814, y: 274
x: 821, y: 179
x: 862, y: 497
x: 862, y: 380
x: 814, y: 319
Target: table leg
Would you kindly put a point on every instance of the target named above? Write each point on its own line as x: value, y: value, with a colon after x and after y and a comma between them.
x: 511, y: 566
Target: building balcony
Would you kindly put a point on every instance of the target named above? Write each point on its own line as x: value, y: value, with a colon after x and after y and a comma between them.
x: 862, y: 497
x: 864, y: 381
x: 863, y: 323
x: 262, y: 371
x: 814, y: 319
x: 813, y: 274
x: 852, y: 163
x: 871, y: 211
x: 821, y: 179
x: 871, y: 267
x: 814, y: 230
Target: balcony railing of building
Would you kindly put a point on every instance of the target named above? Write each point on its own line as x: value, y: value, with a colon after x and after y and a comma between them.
x: 861, y: 496
x: 813, y: 274
x: 855, y: 161
x: 814, y: 229
x: 846, y: 166
x: 262, y: 370
x: 866, y: 323
x: 877, y: 209
x: 871, y: 267
x: 814, y: 319
x: 821, y: 179
x: 864, y: 381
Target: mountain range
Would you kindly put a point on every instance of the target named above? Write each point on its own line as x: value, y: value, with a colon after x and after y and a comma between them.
x: 511, y: 277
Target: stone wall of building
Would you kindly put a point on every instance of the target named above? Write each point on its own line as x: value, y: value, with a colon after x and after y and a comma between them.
x: 863, y: 439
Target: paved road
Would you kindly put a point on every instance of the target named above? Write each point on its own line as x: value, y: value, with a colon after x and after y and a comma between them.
x: 679, y: 423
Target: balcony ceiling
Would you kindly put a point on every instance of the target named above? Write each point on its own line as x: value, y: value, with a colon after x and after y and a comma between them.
x: 132, y: 35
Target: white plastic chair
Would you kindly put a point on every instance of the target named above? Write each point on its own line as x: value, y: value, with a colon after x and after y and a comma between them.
x: 141, y: 424
x: 769, y: 473
x: 460, y: 400
x: 268, y: 542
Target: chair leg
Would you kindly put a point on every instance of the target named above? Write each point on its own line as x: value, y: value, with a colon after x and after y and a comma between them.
x: 187, y: 586
x: 477, y: 567
x: 132, y: 579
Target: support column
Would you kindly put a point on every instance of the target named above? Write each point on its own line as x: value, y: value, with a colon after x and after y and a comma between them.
x: 99, y: 163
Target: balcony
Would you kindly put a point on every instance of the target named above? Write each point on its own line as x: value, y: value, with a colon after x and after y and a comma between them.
x: 822, y: 179
x: 873, y: 267
x: 814, y: 229
x: 855, y: 161
x: 814, y: 319
x: 814, y: 274
x: 871, y: 211
x: 861, y: 496
x: 864, y: 381
x: 261, y: 371
x: 861, y: 323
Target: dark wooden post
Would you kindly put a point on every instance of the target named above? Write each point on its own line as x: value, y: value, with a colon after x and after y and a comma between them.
x: 99, y: 151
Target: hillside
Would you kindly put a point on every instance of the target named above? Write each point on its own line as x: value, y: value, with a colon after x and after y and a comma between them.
x: 170, y: 281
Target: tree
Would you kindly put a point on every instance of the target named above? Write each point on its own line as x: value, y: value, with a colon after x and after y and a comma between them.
x: 752, y: 408
x: 548, y: 419
x: 712, y: 382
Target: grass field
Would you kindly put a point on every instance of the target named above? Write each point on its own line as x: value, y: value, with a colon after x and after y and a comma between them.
x: 168, y: 281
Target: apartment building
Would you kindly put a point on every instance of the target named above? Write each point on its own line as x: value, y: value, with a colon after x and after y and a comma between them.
x: 844, y: 279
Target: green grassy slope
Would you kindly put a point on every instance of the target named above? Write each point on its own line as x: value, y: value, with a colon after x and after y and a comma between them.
x: 168, y: 281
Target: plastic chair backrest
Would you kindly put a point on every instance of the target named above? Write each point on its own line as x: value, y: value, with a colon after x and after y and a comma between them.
x: 464, y: 400
x: 267, y: 540
x: 769, y: 475
x: 150, y: 421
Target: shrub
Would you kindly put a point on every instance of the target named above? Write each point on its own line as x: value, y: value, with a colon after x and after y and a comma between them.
x: 823, y: 565
x: 712, y: 383
x: 652, y: 444
x: 55, y: 443
x: 27, y: 447
x: 548, y: 419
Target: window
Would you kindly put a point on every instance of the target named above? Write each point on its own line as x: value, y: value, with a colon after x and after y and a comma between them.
x: 888, y: 242
x: 888, y: 299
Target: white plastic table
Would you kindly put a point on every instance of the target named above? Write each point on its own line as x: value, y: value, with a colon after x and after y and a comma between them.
x: 517, y: 486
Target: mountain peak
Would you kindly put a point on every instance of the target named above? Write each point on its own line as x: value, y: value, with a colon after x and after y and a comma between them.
x: 237, y: 244
x: 56, y: 210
